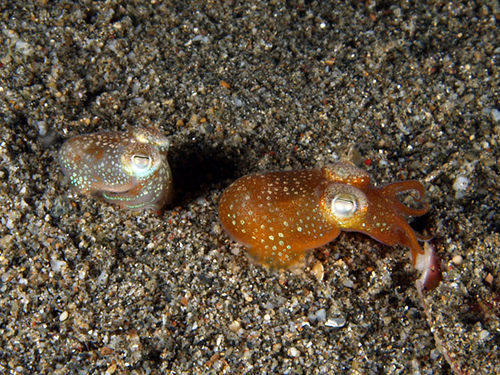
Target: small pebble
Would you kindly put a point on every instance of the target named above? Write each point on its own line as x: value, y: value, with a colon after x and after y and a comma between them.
x: 387, y: 320
x: 321, y: 315
x: 484, y: 334
x: 457, y: 260
x: 335, y: 323
x: 112, y: 369
x: 460, y: 186
x: 293, y: 352
x: 42, y: 128
x: 63, y: 316
x: 435, y: 353
x: 57, y: 265
x: 318, y: 271
x: 235, y: 326
x: 348, y: 284
x: 495, y: 114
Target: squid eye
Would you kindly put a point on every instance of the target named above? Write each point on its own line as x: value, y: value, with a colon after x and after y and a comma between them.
x: 344, y: 205
x: 141, y: 162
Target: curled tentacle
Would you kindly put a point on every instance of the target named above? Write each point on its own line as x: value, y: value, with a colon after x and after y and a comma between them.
x: 417, y: 191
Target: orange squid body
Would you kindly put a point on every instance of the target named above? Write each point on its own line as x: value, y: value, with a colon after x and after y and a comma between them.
x: 281, y: 215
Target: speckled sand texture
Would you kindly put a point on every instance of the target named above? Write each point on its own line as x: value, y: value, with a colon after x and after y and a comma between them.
x: 245, y: 87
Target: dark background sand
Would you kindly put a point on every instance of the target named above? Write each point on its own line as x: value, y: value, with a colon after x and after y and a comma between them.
x: 242, y: 87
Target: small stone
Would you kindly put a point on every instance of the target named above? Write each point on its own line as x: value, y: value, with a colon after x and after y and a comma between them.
x: 318, y: 271
x: 247, y: 297
x: 235, y: 326
x: 435, y: 353
x: 461, y: 183
x: 63, y: 316
x: 484, y: 334
x: 348, y: 284
x: 111, y: 369
x: 57, y: 265
x: 321, y: 315
x: 460, y: 186
x: 293, y: 352
x: 495, y: 114
x: 457, y: 260
x: 105, y: 350
x: 335, y: 322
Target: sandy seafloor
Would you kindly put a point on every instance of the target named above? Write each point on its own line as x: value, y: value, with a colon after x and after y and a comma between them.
x: 244, y: 87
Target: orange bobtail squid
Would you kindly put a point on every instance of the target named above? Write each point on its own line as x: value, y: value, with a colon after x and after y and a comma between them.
x: 129, y: 168
x: 280, y: 215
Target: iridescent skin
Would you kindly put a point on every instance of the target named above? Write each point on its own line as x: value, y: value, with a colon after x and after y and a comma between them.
x: 281, y: 215
x: 129, y: 169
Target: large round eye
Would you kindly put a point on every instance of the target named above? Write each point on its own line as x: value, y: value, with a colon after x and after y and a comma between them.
x: 343, y: 203
x: 141, y: 162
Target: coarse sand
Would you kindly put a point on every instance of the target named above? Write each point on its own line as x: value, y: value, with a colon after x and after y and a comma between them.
x: 242, y: 87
